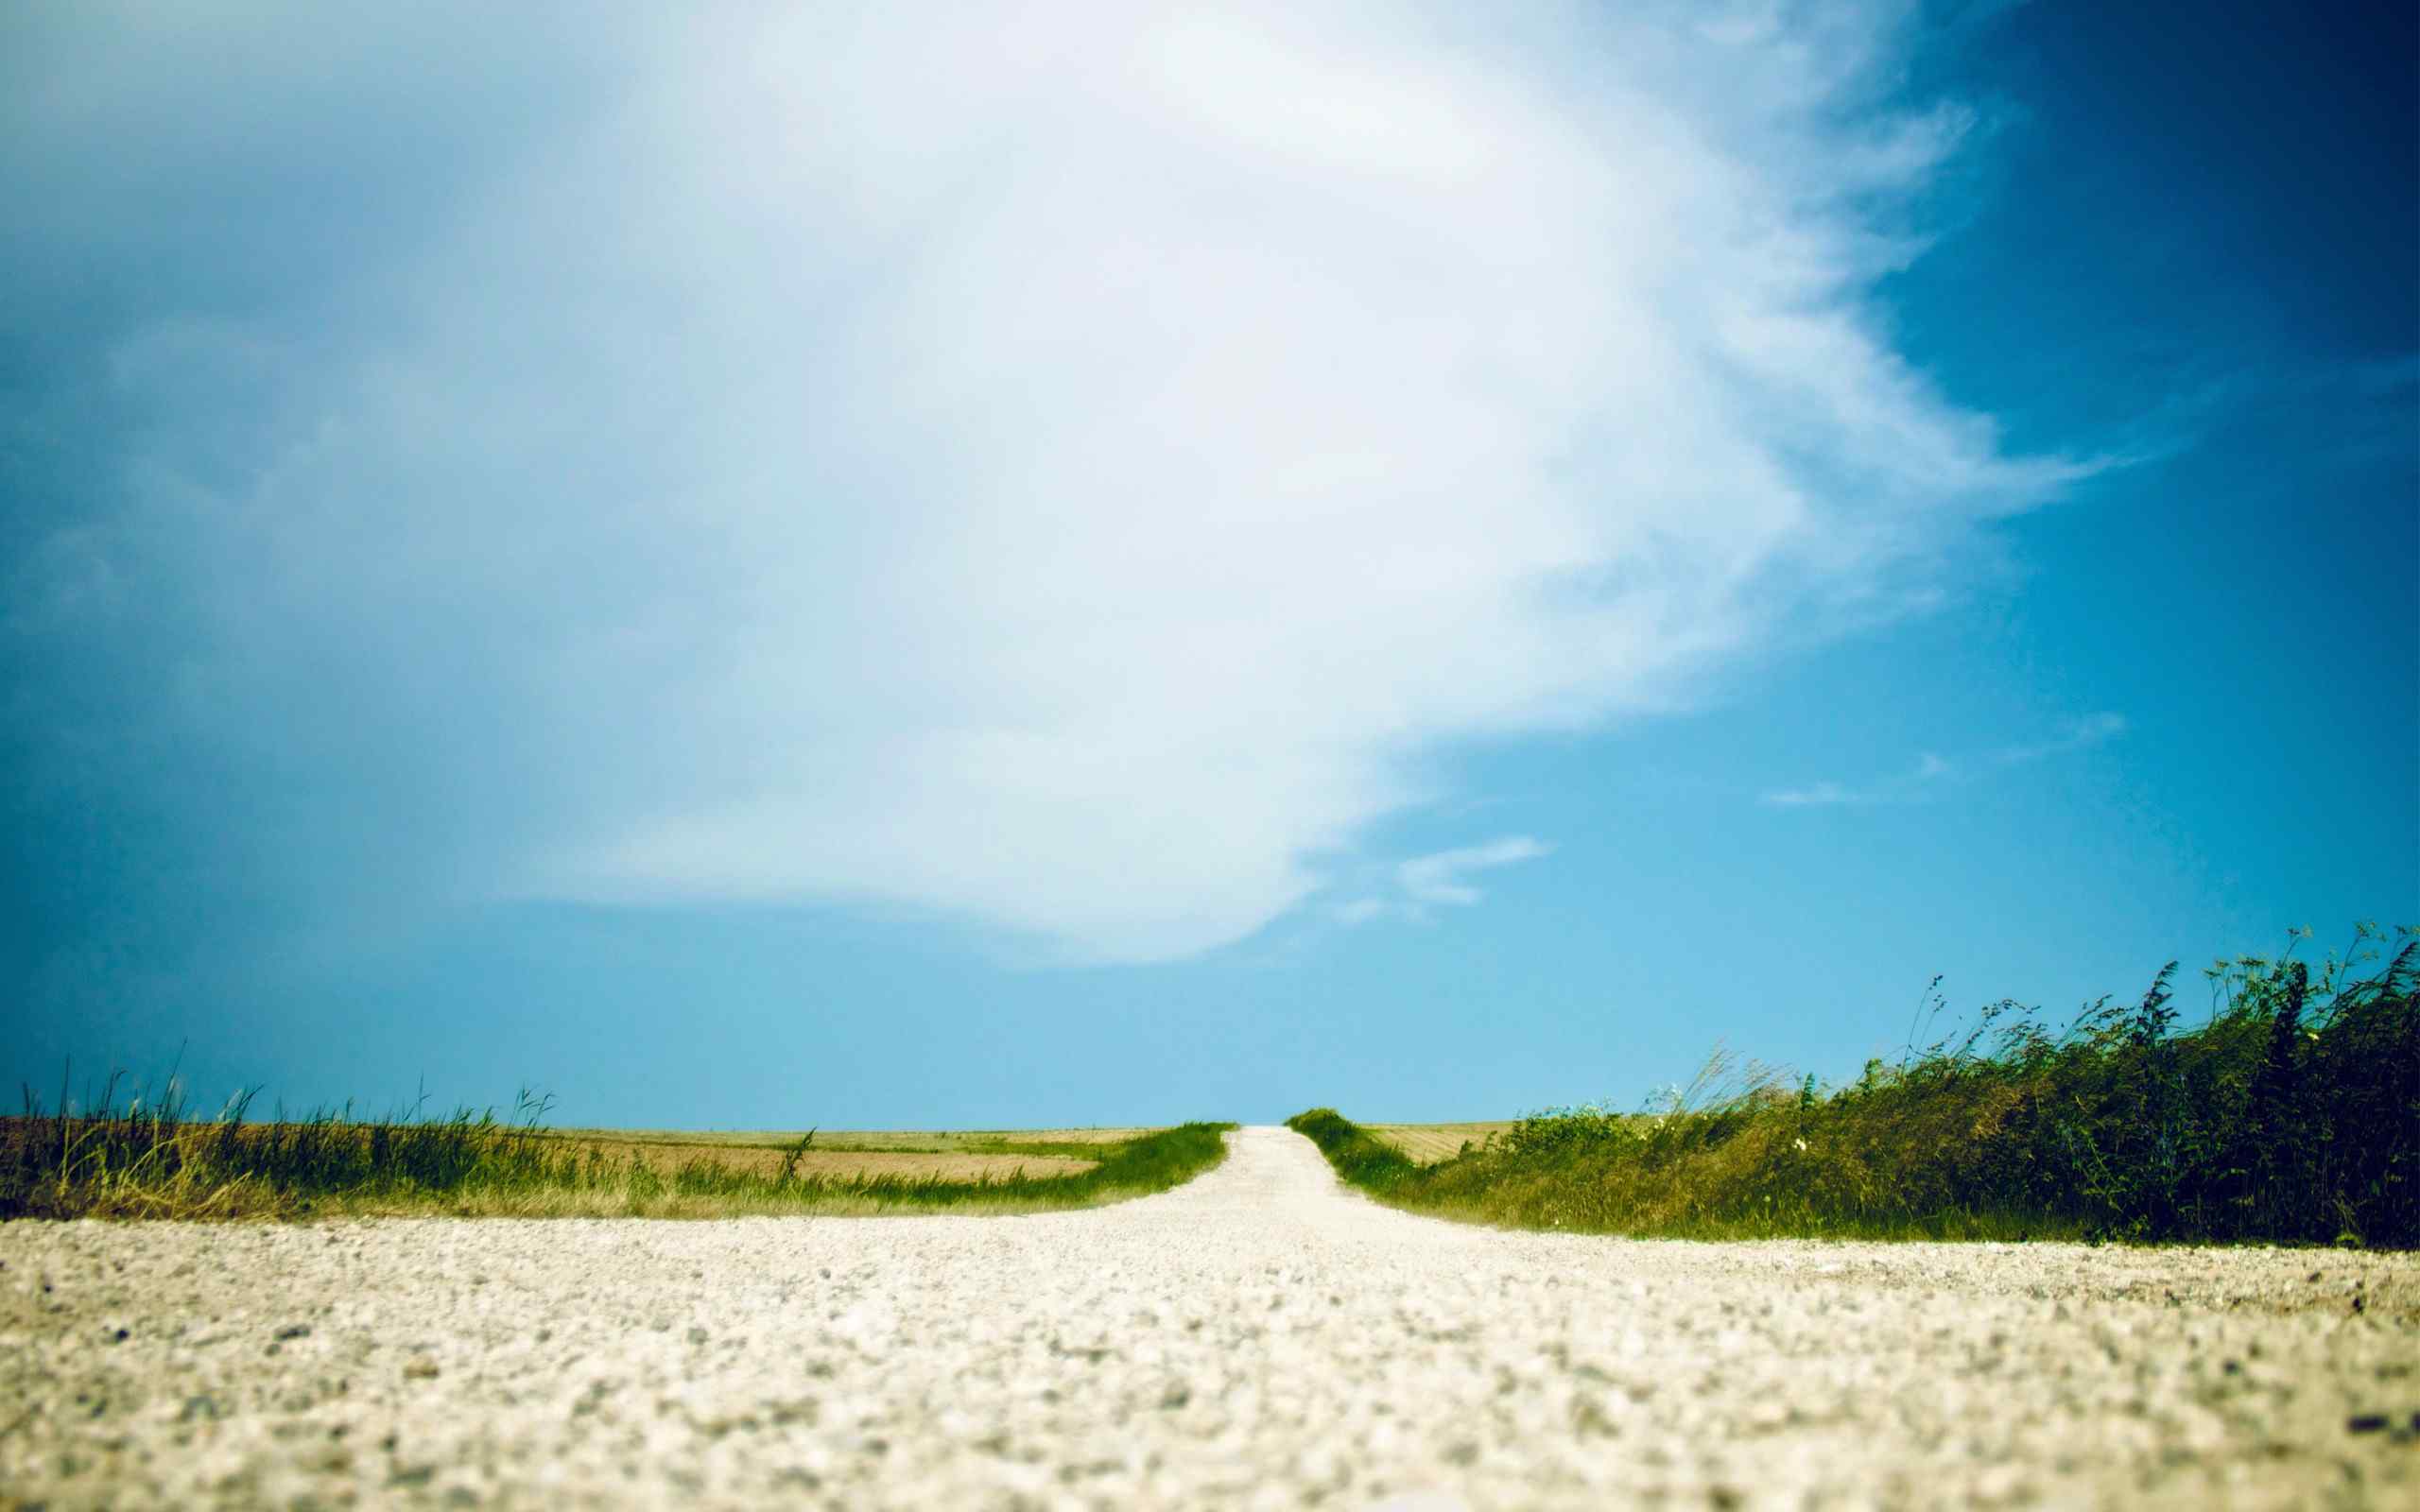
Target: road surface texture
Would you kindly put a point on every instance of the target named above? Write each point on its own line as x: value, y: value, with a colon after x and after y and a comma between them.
x: 1258, y: 1338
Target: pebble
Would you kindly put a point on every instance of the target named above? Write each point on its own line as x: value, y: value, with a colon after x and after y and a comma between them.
x: 1259, y: 1337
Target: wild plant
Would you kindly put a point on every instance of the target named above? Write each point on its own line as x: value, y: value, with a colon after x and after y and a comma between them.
x: 142, y: 1156
x: 2292, y: 1114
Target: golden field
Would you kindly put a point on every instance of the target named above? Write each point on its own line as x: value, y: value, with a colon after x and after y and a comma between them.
x: 1428, y: 1143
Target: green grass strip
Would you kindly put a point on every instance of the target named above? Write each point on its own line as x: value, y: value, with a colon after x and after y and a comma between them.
x: 151, y: 1162
x: 2290, y: 1115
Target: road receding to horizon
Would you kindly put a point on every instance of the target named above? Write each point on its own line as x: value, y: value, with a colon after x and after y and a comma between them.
x: 1260, y: 1337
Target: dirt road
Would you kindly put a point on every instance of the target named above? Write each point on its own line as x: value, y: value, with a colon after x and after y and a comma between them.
x: 1258, y: 1338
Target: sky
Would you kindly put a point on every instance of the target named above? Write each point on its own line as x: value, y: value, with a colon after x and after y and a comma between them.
x: 1106, y: 564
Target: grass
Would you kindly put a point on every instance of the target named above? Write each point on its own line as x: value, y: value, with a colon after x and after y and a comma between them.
x: 667, y: 1155
x: 146, y: 1159
x: 930, y: 1142
x: 937, y: 1148
x: 2291, y: 1114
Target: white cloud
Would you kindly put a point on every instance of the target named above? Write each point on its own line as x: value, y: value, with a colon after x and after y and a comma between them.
x: 1933, y: 769
x: 1439, y: 878
x: 2079, y: 734
x: 1820, y: 794
x: 1061, y: 466
x: 1409, y: 888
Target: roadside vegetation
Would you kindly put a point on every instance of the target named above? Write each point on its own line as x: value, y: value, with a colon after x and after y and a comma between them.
x: 143, y: 1156
x: 2290, y: 1114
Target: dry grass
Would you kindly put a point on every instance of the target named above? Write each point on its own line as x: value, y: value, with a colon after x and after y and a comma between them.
x: 943, y: 1156
x: 149, y: 1161
x: 1429, y: 1143
x: 922, y: 1141
x: 831, y: 1201
x: 1061, y: 1136
x: 667, y: 1155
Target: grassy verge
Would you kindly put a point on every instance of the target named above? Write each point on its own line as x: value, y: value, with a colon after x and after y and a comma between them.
x: 144, y: 1162
x: 2290, y: 1115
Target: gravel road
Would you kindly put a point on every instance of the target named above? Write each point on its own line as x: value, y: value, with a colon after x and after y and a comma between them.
x: 1257, y: 1338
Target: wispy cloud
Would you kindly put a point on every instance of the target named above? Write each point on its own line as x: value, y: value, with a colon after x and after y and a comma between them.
x: 1440, y: 879
x: 1932, y: 770
x: 1820, y: 794
x: 2079, y: 734
x: 1060, y: 465
x: 1361, y: 910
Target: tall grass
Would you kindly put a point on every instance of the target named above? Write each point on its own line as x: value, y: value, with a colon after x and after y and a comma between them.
x: 145, y: 1157
x: 2290, y: 1114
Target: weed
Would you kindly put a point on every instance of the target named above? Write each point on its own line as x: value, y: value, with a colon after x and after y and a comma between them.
x: 2290, y: 1115
x: 146, y: 1158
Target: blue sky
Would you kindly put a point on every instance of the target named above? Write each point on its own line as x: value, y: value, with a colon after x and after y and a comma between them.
x: 1099, y: 566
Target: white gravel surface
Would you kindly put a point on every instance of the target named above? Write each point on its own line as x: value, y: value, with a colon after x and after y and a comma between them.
x: 1258, y: 1338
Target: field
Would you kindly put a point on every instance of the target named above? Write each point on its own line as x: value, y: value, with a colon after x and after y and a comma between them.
x: 912, y: 1141
x: 667, y: 1155
x: 1429, y: 1143
x: 949, y: 1155
x: 144, y: 1158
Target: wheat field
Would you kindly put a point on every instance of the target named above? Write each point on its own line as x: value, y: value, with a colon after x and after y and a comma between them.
x: 1428, y: 1143
x: 912, y: 1154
